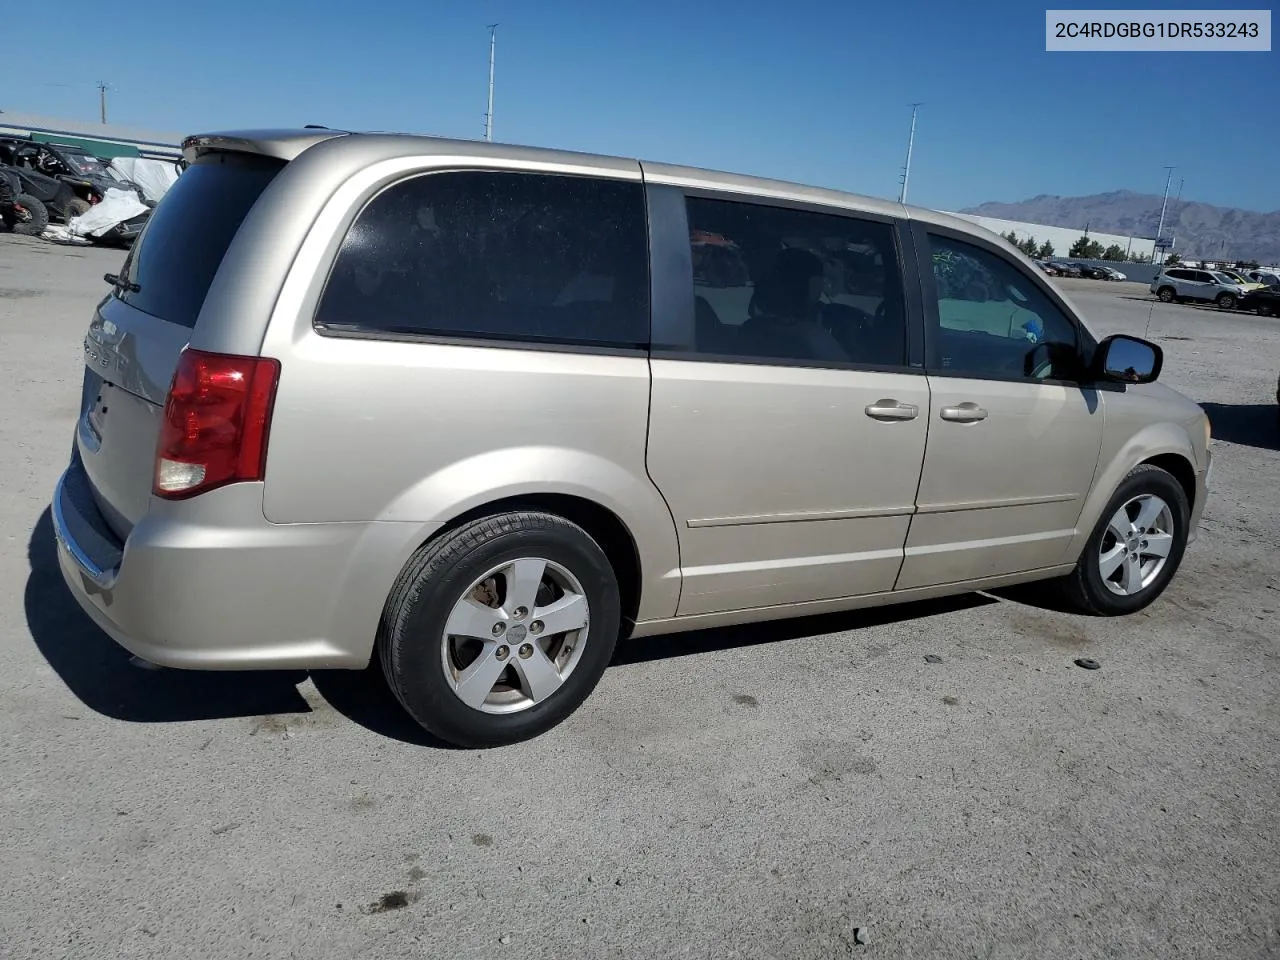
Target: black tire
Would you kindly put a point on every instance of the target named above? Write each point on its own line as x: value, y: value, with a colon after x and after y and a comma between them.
x: 1167, y: 294
x: 36, y: 219
x: 411, y: 635
x: 1263, y: 310
x: 1226, y: 301
x: 76, y: 207
x: 1084, y: 586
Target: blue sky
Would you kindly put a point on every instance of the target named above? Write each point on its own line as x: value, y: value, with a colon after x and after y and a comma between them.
x: 804, y: 90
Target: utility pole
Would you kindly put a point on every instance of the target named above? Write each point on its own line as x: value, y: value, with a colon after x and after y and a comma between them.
x: 488, y: 116
x: 1163, y: 205
x: 911, y: 139
x: 102, y: 100
x: 1180, y: 183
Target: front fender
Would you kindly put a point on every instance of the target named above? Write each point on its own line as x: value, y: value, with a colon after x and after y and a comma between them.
x: 494, y: 475
x: 1118, y: 458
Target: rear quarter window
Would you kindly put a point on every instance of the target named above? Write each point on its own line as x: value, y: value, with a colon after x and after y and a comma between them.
x: 498, y: 256
x: 172, y: 264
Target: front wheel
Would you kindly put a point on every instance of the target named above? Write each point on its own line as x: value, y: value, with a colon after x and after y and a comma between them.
x: 1166, y: 294
x: 499, y: 630
x: 1227, y: 301
x: 1136, y: 547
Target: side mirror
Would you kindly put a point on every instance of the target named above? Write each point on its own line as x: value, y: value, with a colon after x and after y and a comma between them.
x: 1125, y: 359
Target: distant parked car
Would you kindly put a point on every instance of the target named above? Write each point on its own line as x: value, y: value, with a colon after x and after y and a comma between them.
x: 1183, y: 283
x: 1092, y: 272
x: 1111, y: 273
x: 1047, y: 268
x: 1067, y: 269
x: 1244, y: 282
x: 1269, y: 278
x: 1265, y: 302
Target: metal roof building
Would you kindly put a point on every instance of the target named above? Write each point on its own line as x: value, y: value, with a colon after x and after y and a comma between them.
x: 101, y: 139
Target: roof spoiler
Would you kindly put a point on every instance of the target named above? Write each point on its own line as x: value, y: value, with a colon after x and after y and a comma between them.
x: 282, y: 144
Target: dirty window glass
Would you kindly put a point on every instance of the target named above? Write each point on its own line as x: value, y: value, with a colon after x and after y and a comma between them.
x: 776, y: 283
x: 172, y: 264
x: 993, y: 319
x: 508, y: 256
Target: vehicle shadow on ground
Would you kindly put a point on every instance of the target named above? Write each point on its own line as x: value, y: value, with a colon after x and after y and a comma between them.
x: 98, y: 671
x: 644, y: 649
x: 1248, y: 424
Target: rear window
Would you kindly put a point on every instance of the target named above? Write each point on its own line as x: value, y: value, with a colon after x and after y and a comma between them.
x: 496, y: 256
x: 171, y: 266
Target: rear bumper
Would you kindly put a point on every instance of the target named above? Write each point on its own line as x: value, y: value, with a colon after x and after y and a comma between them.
x: 215, y: 586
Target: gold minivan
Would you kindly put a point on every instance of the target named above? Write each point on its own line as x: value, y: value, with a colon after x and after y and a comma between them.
x: 482, y: 410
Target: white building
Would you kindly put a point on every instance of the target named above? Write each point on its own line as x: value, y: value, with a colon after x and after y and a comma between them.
x: 1062, y: 237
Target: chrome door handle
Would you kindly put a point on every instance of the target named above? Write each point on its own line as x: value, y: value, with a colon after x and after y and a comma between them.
x: 892, y: 410
x: 963, y: 413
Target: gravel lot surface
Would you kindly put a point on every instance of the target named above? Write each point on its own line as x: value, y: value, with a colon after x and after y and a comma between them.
x: 751, y: 792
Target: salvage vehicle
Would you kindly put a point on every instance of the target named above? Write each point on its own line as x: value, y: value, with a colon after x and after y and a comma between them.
x: 61, y: 203
x: 20, y: 212
x: 88, y: 177
x: 467, y: 410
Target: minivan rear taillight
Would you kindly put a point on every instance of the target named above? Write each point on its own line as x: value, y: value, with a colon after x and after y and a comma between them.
x: 215, y: 423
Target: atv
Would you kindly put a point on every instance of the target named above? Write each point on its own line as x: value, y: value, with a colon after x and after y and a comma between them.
x: 86, y: 176
x: 20, y: 212
x: 57, y: 197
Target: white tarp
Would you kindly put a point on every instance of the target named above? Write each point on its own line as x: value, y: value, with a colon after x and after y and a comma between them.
x: 116, y: 207
x: 155, y: 177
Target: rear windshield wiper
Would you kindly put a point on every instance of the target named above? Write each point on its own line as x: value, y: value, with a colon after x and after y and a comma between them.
x: 120, y: 283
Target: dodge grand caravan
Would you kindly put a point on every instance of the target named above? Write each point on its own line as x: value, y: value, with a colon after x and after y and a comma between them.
x: 471, y: 409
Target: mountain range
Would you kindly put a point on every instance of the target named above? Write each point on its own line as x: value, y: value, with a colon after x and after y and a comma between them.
x: 1200, y: 230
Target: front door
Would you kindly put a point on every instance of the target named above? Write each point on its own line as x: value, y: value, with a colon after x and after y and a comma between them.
x: 1013, y: 438
x: 787, y: 429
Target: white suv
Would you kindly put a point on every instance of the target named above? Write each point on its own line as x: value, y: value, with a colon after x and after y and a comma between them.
x: 1185, y: 283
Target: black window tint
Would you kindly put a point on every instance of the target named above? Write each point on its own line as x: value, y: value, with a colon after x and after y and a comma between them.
x: 1178, y: 274
x: 514, y: 256
x: 171, y: 266
x: 994, y: 320
x: 791, y: 285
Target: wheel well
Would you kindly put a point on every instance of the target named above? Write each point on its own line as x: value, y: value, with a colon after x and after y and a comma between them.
x: 601, y: 523
x: 1182, y: 471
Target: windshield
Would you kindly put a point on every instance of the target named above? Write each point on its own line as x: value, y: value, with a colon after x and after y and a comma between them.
x: 1221, y: 277
x: 84, y: 164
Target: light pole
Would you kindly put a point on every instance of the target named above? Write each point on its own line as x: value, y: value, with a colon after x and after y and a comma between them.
x: 906, y: 168
x: 488, y: 114
x: 1163, y: 206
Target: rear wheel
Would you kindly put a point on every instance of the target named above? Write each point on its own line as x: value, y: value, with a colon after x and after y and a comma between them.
x: 1136, y: 547
x: 499, y: 630
x: 1227, y: 301
x: 1167, y: 294
x: 29, y: 217
x: 77, y: 207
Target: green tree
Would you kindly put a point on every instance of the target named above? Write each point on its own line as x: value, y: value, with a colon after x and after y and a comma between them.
x: 1045, y: 251
x: 1028, y: 246
x: 1113, y: 252
x: 1247, y: 264
x: 1086, y: 249
x: 1012, y: 238
x: 1173, y: 260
